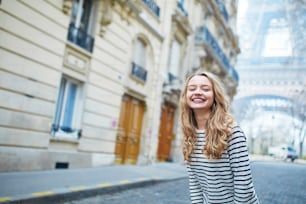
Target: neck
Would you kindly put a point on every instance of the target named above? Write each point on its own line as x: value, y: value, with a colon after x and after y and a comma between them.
x: 202, y: 117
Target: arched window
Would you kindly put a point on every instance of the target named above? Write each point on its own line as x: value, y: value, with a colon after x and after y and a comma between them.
x: 139, y: 62
x: 140, y: 53
x: 174, y: 61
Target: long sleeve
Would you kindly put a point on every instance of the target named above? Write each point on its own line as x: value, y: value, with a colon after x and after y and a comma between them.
x: 196, y: 194
x: 244, y: 191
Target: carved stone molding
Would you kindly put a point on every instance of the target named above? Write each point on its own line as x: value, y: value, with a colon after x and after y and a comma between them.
x: 126, y: 9
x: 210, y: 65
x: 181, y: 24
x: 67, y: 6
x: 171, y: 97
x: 76, y: 60
x: 106, y: 15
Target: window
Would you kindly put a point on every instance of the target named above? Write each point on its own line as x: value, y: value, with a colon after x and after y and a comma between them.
x: 140, y: 50
x: 139, y: 64
x: 67, y: 116
x: 151, y: 4
x: 175, y: 60
x: 81, y: 27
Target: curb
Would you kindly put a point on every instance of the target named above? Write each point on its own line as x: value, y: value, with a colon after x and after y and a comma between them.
x: 76, y: 193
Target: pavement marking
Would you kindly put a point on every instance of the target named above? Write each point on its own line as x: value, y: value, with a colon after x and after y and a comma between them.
x: 103, y: 185
x: 125, y: 182
x: 78, y: 188
x: 3, y: 199
x: 42, y: 193
x: 142, y: 179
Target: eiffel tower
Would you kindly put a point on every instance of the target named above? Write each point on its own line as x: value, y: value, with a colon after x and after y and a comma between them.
x: 271, y: 99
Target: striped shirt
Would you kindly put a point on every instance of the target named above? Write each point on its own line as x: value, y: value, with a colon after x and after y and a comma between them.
x: 224, y: 180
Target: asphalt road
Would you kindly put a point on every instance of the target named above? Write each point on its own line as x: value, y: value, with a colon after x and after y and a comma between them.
x: 275, y: 183
x: 280, y: 182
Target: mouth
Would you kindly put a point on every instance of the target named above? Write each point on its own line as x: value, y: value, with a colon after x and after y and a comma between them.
x: 198, y: 100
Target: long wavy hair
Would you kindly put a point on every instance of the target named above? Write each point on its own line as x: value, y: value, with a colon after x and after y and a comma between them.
x: 218, y: 127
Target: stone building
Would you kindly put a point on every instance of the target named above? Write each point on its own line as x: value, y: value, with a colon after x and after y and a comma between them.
x: 96, y: 82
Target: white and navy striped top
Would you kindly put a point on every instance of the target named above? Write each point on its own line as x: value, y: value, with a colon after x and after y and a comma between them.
x: 224, y: 180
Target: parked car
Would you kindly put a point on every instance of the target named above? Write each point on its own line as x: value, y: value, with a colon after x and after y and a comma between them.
x: 283, y: 152
x: 291, y: 153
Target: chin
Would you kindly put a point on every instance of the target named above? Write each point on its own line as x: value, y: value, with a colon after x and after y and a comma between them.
x: 198, y: 107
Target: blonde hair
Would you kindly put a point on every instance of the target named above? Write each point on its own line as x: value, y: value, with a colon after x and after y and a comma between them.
x: 218, y: 128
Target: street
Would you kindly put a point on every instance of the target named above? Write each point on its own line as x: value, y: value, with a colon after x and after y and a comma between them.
x: 280, y: 182
x: 275, y: 183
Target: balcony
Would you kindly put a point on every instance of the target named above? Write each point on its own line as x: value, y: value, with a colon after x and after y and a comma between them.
x: 80, y: 38
x: 139, y: 72
x: 204, y: 36
x: 152, y: 6
x: 171, y: 77
x: 235, y: 74
x: 182, y: 9
x: 66, y: 130
x: 222, y: 9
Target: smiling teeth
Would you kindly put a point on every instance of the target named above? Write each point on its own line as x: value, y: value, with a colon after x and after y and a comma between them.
x: 198, y: 100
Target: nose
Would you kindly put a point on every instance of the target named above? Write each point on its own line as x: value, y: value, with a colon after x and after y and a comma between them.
x: 198, y: 91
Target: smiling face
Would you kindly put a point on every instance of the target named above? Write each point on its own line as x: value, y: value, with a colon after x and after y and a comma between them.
x: 199, y: 93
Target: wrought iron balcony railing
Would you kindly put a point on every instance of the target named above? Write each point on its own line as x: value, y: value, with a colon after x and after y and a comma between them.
x: 80, y: 38
x: 222, y: 9
x: 171, y: 77
x: 139, y: 72
x: 235, y: 74
x: 181, y: 7
x: 68, y: 130
x: 152, y: 6
x: 204, y: 36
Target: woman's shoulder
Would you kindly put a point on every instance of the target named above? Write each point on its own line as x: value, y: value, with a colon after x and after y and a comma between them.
x: 237, y: 133
x: 236, y: 127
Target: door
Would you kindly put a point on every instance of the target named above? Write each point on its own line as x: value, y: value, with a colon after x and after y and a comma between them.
x: 165, y: 132
x: 129, y: 130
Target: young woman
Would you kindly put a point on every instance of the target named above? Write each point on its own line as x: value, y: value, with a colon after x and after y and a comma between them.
x: 214, y: 147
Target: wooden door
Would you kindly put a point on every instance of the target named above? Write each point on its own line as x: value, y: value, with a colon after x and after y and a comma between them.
x: 122, y: 131
x: 165, y: 132
x: 129, y: 130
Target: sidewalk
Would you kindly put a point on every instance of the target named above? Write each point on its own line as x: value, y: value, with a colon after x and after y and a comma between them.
x: 270, y: 158
x: 54, y: 186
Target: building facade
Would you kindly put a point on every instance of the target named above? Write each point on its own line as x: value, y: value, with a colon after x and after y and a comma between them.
x: 87, y: 83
